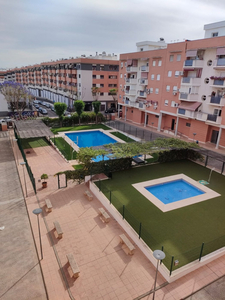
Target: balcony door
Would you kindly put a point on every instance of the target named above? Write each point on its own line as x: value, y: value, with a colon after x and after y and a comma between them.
x: 172, y: 124
x: 214, y: 136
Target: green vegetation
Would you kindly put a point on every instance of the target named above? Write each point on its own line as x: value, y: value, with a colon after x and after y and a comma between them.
x: 78, y: 167
x: 181, y: 231
x: 79, y: 107
x: 64, y: 148
x: 122, y: 137
x: 81, y: 127
x: 34, y: 143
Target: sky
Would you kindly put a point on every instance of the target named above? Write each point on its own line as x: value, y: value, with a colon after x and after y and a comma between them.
x: 39, y: 31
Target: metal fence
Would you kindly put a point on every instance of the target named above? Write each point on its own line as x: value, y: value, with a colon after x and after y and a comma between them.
x: 32, y: 179
x: 172, y: 262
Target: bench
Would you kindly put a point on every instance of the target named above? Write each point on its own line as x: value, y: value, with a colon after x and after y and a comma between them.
x: 58, y: 229
x: 124, y: 240
x: 48, y: 205
x: 89, y: 195
x: 73, y: 265
x: 104, y: 215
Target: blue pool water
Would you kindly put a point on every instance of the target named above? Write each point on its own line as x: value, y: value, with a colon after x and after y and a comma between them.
x: 90, y: 138
x: 173, y: 191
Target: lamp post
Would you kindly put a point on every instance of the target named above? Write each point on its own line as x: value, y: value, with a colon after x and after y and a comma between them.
x: 23, y: 163
x: 159, y: 255
x: 15, y: 140
x: 194, y: 134
x: 37, y: 212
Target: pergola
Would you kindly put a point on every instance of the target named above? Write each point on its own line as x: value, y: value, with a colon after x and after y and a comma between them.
x: 32, y: 128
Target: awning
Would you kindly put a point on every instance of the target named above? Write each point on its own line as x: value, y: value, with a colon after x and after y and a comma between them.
x: 144, y: 58
x: 190, y: 106
x: 129, y: 62
x: 220, y: 51
x: 191, y: 53
x: 144, y: 74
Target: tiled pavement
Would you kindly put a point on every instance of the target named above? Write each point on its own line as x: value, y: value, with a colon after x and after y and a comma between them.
x: 106, y: 271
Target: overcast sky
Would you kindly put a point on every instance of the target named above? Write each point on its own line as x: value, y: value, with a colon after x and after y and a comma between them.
x: 37, y: 31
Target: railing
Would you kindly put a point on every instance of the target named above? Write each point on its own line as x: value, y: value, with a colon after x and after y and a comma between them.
x: 144, y: 81
x: 184, y: 96
x: 144, y: 68
x: 194, y: 63
x: 215, y: 99
x: 218, y: 82
x: 186, y: 79
x: 132, y: 69
x: 212, y: 118
x: 221, y: 62
x: 191, y: 80
x: 142, y: 94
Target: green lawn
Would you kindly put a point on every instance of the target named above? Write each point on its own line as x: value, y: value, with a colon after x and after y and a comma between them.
x: 82, y: 127
x: 34, y: 143
x: 122, y: 137
x: 182, y: 231
x: 64, y: 148
x: 78, y: 167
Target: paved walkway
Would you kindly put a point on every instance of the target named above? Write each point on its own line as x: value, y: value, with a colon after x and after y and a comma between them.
x: 20, y: 273
x: 106, y: 271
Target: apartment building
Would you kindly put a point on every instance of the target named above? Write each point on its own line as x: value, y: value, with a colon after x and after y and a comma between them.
x: 178, y: 88
x: 66, y: 80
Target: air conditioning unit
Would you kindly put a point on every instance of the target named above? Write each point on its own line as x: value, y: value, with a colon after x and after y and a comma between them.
x: 181, y: 73
x: 176, y: 104
x: 174, y: 93
x: 155, y: 106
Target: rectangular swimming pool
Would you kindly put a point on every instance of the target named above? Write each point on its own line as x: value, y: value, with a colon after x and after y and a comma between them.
x: 90, y: 138
x: 173, y: 191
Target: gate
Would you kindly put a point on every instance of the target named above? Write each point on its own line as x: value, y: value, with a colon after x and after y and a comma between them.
x: 62, y: 181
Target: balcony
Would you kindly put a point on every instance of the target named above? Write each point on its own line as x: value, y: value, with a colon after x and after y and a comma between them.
x: 194, y: 63
x: 132, y: 69
x: 143, y: 81
x: 131, y: 80
x: 217, y: 100
x: 188, y: 97
x: 218, y: 83
x: 144, y: 69
x: 142, y: 105
x: 214, y: 118
x: 142, y: 94
x: 191, y: 81
x: 130, y: 92
x: 192, y: 114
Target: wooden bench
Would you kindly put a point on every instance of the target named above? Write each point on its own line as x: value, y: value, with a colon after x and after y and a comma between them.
x: 58, y: 229
x: 124, y: 240
x: 104, y: 215
x: 89, y: 195
x: 73, y: 265
x: 48, y: 205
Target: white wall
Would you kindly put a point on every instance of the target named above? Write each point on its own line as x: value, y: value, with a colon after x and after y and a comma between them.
x: 3, y: 105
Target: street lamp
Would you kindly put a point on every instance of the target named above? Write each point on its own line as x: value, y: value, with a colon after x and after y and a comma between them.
x: 194, y: 134
x: 23, y: 164
x: 37, y: 212
x: 159, y: 255
x: 15, y: 140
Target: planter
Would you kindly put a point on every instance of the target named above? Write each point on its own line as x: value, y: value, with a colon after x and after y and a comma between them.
x: 44, y: 184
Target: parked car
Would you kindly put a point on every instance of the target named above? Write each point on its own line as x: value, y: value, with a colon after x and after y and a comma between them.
x: 36, y: 106
x: 43, y: 103
x: 111, y: 110
x: 40, y: 109
x: 52, y: 108
x: 47, y: 105
x: 39, y: 102
x: 35, y: 102
x: 44, y: 111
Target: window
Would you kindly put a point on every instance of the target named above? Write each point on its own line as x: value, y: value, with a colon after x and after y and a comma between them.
x: 101, y: 76
x: 79, y: 84
x: 166, y: 102
x: 214, y: 34
x: 151, y: 90
x: 141, y: 49
x: 101, y: 94
x: 125, y: 64
x: 93, y: 85
x: 153, y: 63
x: 171, y: 57
x: 177, y: 73
x: 169, y: 73
x: 120, y: 96
x: 152, y: 77
x: 101, y: 85
x: 175, y: 88
x: 79, y: 76
x: 178, y: 57
x: 94, y: 76
x: 188, y: 124
x: 121, y: 75
x: 159, y: 63
x: 156, y: 91
x: 102, y: 67
x: 121, y: 64
x: 158, y: 77
x: 168, y: 88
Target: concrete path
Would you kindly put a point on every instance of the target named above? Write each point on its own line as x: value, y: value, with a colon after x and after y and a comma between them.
x: 20, y: 273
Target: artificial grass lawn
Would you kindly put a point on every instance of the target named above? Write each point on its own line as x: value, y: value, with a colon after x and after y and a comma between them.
x: 182, y: 231
x: 64, y: 148
x: 122, y: 137
x: 81, y: 127
x: 34, y: 143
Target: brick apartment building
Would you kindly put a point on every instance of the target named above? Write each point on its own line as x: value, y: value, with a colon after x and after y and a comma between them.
x: 69, y: 79
x: 177, y: 88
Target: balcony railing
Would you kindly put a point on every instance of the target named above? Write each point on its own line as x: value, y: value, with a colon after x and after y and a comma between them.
x: 215, y: 99
x: 212, y: 118
x: 132, y: 69
x: 131, y: 80
x: 142, y: 94
x: 221, y: 62
x: 195, y: 63
x: 188, y: 97
x: 218, y: 82
x: 191, y: 80
x: 130, y: 92
x: 144, y: 81
x: 144, y: 68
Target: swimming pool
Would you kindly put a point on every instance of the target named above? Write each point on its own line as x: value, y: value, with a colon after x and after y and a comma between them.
x: 173, y: 191
x: 197, y: 192
x: 90, y: 138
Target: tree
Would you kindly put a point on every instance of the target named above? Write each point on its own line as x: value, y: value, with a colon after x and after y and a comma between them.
x: 16, y: 95
x: 96, y: 105
x: 72, y: 94
x: 79, y: 107
x: 60, y: 109
x: 113, y: 93
x: 95, y: 92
